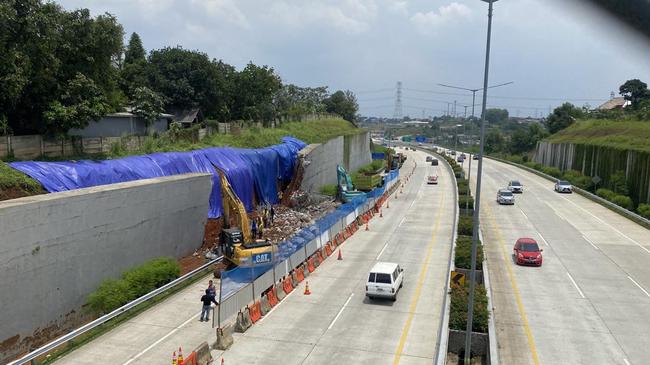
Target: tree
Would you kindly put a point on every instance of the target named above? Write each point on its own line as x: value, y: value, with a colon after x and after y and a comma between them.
x: 134, y: 52
x: 147, y: 104
x: 343, y: 103
x: 494, y: 116
x: 494, y: 141
x: 292, y: 102
x: 635, y: 91
x: 256, y: 87
x: 186, y: 79
x: 562, y: 117
x: 81, y: 102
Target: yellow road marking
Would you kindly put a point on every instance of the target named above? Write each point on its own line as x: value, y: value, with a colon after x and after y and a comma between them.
x: 513, y: 283
x: 418, y: 289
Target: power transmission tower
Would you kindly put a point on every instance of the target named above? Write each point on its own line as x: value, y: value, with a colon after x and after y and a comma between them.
x: 397, y: 114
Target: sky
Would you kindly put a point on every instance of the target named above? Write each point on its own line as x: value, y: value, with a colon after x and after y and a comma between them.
x: 551, y: 50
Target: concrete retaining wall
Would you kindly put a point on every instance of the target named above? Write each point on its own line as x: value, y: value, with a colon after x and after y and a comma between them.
x: 350, y: 151
x: 57, y: 248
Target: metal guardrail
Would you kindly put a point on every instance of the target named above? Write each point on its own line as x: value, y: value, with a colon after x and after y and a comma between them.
x: 593, y: 197
x: 107, y: 317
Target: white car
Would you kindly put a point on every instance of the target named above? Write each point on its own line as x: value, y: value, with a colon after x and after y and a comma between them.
x: 515, y: 186
x: 505, y: 196
x: 384, y: 280
x: 432, y: 179
x: 563, y: 186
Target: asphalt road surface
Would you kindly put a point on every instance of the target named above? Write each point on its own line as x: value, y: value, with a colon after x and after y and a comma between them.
x: 336, y: 324
x: 589, y: 303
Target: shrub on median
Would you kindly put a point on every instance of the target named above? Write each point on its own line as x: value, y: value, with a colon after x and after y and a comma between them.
x: 463, y: 253
x: 553, y: 171
x: 465, y: 225
x: 134, y: 283
x: 458, y: 308
x: 463, y: 199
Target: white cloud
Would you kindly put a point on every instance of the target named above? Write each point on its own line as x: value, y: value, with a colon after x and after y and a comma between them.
x: 399, y: 7
x: 349, y: 16
x: 223, y: 11
x: 432, y: 21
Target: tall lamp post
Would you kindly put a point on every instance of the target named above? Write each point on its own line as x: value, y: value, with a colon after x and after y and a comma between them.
x: 475, y: 90
x: 477, y: 203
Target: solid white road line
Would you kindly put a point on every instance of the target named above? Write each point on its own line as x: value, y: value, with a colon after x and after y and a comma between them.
x: 340, y: 311
x: 626, y: 362
x: 402, y: 221
x: 637, y: 284
x: 591, y: 243
x: 382, y: 251
x: 576, y: 285
x: 161, y: 339
x: 543, y: 239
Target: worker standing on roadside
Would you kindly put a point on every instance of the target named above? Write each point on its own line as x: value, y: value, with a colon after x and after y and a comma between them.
x: 207, y: 300
x: 212, y: 289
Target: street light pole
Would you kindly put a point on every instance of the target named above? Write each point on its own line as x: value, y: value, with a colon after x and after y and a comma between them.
x: 477, y: 203
x: 475, y: 90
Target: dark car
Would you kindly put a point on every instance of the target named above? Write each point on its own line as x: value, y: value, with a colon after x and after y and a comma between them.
x: 527, y: 252
x: 475, y: 157
x: 434, y: 162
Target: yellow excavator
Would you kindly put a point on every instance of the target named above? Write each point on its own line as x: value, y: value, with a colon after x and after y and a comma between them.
x: 237, y: 242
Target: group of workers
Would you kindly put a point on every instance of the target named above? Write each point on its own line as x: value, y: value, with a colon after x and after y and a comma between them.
x: 263, y: 220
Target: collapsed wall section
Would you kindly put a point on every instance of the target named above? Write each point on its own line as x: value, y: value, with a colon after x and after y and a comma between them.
x: 57, y: 248
x: 352, y: 152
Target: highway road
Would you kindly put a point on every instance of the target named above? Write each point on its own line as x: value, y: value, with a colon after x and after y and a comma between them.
x: 589, y: 303
x: 336, y: 323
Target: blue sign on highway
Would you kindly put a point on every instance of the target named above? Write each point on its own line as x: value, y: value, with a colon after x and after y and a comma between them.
x: 262, y: 258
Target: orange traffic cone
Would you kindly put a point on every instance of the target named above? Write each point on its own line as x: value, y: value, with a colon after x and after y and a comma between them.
x: 367, y: 226
x: 340, y: 256
x: 180, y: 355
x: 174, y: 358
x: 307, y: 292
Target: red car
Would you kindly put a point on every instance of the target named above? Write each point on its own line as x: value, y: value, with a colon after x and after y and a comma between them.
x: 527, y: 252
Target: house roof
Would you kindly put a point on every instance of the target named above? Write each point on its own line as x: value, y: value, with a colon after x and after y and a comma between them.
x: 132, y: 115
x: 613, y: 103
x: 186, y: 116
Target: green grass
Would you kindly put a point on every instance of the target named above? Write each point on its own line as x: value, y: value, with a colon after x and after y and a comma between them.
x: 624, y: 135
x: 14, y: 183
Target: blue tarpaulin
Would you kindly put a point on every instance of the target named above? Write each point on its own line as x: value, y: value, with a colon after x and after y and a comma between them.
x: 247, y: 170
x: 378, y: 156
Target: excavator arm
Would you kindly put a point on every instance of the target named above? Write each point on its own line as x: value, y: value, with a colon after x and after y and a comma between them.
x: 232, y: 204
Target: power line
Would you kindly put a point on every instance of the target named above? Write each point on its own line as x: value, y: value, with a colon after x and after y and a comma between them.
x: 397, y: 114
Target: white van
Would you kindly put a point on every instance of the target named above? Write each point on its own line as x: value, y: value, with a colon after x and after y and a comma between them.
x: 385, y: 280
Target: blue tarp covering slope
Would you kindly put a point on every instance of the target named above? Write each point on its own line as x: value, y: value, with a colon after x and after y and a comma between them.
x: 247, y: 170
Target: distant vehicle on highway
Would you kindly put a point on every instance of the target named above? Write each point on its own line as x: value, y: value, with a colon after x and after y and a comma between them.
x: 429, y: 158
x: 434, y: 162
x: 515, y: 186
x: 527, y: 252
x: 563, y: 186
x: 505, y: 196
x: 432, y: 179
x: 453, y: 153
x: 475, y: 157
x: 460, y: 159
x: 384, y: 280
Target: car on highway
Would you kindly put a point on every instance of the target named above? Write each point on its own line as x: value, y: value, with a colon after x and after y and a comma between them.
x: 384, y: 280
x: 429, y: 158
x: 460, y: 159
x: 475, y: 157
x: 432, y: 179
x: 505, y: 196
x: 434, y: 162
x: 563, y: 186
x: 527, y: 252
x: 515, y: 186
x: 453, y: 153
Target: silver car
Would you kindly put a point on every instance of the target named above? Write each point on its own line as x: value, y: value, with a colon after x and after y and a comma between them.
x: 563, y: 186
x: 505, y: 196
x: 515, y: 186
